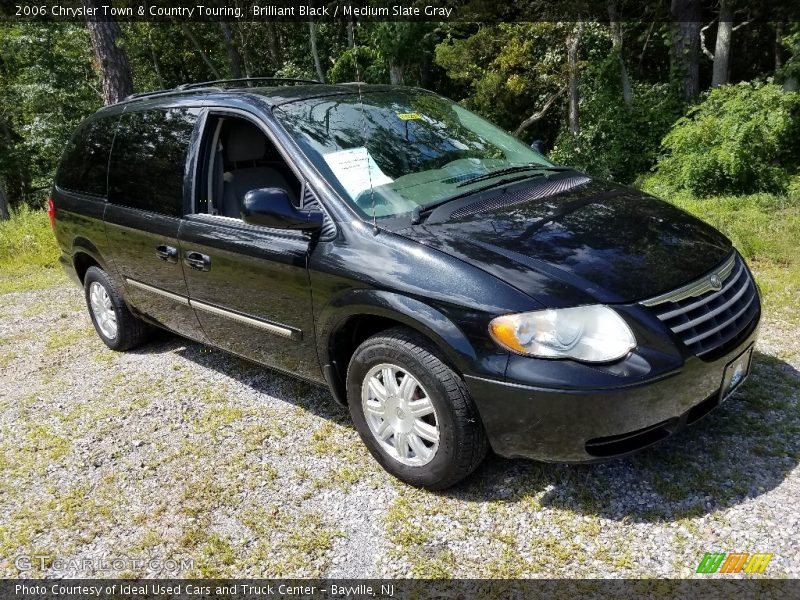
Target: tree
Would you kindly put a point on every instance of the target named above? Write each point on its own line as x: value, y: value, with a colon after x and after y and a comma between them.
x: 200, y: 50
x: 112, y: 61
x: 722, y: 47
x: 616, y: 38
x: 5, y: 215
x: 686, y: 45
x: 312, y: 32
x: 234, y: 58
x: 573, y: 41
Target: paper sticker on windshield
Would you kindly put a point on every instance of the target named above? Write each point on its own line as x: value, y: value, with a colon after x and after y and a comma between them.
x: 409, y: 116
x: 356, y: 170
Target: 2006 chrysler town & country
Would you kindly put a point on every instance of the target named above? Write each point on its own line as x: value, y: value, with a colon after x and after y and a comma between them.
x: 452, y: 287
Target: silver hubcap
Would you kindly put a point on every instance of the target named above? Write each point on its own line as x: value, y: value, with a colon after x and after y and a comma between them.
x: 103, y: 310
x: 400, y: 415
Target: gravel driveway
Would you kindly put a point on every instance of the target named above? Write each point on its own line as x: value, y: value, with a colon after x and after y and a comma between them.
x: 179, y: 452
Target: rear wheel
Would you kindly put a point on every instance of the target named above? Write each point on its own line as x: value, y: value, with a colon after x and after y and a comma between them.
x: 413, y: 411
x: 116, y: 325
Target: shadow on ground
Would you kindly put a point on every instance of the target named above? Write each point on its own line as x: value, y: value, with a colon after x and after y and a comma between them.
x: 313, y: 398
x: 742, y: 449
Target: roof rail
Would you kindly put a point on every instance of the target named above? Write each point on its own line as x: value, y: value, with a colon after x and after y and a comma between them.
x: 214, y: 85
x: 218, y: 82
x: 144, y: 94
x: 157, y: 93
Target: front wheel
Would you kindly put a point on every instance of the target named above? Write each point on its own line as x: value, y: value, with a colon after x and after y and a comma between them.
x: 413, y: 412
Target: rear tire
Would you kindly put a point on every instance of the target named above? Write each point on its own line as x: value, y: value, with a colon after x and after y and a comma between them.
x: 422, y: 427
x: 116, y: 325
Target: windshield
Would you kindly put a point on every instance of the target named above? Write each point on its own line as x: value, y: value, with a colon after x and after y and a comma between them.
x: 401, y: 149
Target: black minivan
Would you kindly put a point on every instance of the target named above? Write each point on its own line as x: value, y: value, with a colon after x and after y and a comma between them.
x: 451, y: 286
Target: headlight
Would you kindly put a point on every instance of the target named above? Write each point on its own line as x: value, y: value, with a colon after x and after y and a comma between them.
x: 586, y: 333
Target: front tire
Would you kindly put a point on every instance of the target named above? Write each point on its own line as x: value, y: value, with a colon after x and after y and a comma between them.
x: 413, y: 412
x: 112, y: 319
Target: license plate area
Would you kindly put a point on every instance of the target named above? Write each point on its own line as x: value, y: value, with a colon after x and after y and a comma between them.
x: 735, y: 373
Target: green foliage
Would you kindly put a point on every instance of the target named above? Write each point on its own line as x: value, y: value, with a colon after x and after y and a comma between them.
x: 740, y: 139
x: 508, y: 70
x: 617, y: 141
x: 28, y: 252
x: 47, y: 85
x: 789, y: 73
x: 26, y: 240
x: 359, y: 63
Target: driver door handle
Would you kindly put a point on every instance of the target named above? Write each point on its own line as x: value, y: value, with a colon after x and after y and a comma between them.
x: 198, y: 261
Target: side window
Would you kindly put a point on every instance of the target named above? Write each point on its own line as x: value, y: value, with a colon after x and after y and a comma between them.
x: 149, y: 160
x: 238, y: 157
x: 85, y: 161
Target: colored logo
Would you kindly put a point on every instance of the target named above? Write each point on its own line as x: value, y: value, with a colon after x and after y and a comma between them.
x: 735, y: 562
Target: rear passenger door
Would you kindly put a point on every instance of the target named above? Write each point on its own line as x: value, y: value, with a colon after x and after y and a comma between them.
x: 147, y: 173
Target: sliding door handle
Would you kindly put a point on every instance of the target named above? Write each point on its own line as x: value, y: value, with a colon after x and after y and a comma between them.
x: 167, y: 253
x: 198, y: 261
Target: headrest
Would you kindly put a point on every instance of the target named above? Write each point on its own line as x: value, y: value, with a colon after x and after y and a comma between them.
x: 245, y: 142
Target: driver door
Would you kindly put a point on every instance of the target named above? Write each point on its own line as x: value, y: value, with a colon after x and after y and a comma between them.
x: 248, y: 285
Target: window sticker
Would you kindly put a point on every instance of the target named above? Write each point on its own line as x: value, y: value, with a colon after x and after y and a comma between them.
x: 356, y: 170
x: 412, y: 116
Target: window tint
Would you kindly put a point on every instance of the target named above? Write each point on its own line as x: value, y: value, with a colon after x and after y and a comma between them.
x: 148, y: 160
x: 83, y: 167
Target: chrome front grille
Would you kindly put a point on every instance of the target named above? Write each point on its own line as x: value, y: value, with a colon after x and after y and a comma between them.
x: 711, y: 314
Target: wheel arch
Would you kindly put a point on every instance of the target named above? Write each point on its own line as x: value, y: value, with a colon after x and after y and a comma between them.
x: 84, y: 255
x: 351, y: 319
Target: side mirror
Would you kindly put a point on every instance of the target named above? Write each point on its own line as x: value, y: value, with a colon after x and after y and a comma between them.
x: 538, y: 146
x: 271, y: 207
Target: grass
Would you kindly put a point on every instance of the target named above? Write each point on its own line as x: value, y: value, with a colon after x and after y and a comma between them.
x: 28, y: 252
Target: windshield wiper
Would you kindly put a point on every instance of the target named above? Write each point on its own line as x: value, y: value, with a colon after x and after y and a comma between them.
x: 424, y: 209
x: 507, y: 170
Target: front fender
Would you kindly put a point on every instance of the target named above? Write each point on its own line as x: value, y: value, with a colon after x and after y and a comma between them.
x: 417, y: 315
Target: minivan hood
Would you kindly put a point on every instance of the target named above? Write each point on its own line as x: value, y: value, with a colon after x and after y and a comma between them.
x: 595, y: 242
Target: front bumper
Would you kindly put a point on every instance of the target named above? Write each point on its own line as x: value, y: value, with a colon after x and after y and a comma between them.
x: 592, y: 424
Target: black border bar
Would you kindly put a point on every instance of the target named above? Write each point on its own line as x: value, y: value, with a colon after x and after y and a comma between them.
x: 486, y: 11
x: 712, y: 586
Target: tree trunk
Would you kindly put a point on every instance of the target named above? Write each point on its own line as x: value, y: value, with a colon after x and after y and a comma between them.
x: 616, y: 40
x: 5, y: 214
x: 573, y: 41
x: 791, y: 84
x: 234, y: 58
x: 273, y: 43
x: 537, y: 116
x: 722, y: 48
x: 686, y: 45
x: 778, y: 48
x: 396, y: 73
x: 312, y: 30
x: 115, y: 70
x: 199, y: 47
x: 156, y: 65
x: 351, y: 35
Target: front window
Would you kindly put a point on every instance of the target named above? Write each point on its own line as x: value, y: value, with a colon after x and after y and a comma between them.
x: 392, y: 151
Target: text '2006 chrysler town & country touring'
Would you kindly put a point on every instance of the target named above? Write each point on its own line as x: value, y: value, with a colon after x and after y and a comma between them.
x: 451, y: 286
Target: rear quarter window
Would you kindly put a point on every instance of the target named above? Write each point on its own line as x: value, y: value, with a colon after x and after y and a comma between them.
x: 85, y: 161
x: 149, y: 159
